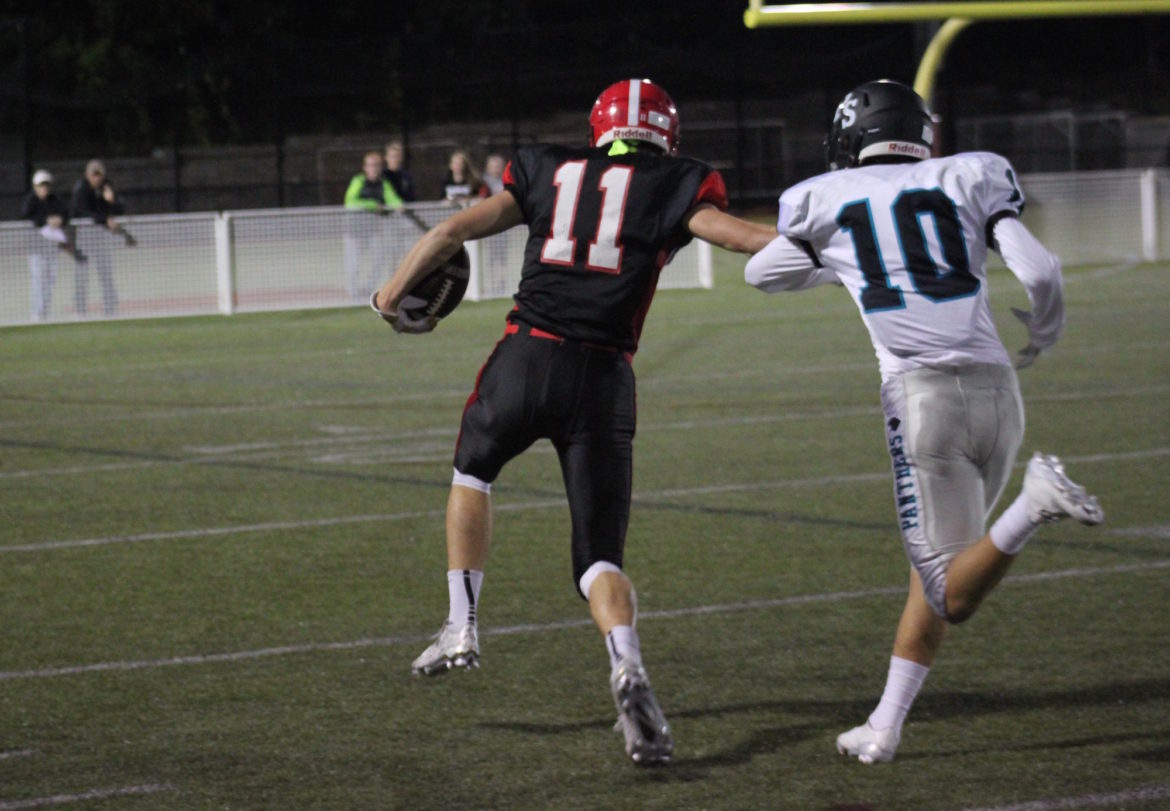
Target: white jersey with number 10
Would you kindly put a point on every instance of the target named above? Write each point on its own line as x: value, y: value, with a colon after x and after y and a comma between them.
x: 910, y: 243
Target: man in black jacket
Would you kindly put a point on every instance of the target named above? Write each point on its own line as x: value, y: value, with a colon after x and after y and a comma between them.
x: 94, y: 197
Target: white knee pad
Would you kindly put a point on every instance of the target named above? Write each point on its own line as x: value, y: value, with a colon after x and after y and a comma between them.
x: 586, y: 581
x: 463, y: 480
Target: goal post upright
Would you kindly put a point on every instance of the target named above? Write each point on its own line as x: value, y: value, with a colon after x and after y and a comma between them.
x: 932, y: 58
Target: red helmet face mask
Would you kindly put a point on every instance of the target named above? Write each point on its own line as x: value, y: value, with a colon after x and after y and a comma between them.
x: 635, y: 110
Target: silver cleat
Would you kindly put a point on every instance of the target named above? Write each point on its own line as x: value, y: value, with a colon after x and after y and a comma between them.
x: 869, y: 745
x: 1052, y: 495
x: 454, y: 646
x: 640, y: 719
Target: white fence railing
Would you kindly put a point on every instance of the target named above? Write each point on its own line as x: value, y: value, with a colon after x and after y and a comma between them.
x: 300, y: 258
x: 1090, y: 218
x: 246, y: 261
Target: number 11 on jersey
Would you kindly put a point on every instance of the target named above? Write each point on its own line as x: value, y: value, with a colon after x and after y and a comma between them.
x: 605, y: 252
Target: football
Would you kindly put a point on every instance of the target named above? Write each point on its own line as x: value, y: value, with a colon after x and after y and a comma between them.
x: 440, y: 292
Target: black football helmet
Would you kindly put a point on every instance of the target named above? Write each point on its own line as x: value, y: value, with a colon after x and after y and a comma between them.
x: 879, y: 119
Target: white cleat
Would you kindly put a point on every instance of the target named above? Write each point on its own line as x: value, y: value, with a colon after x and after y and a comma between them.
x: 454, y: 646
x: 640, y: 719
x: 869, y: 745
x: 1052, y: 495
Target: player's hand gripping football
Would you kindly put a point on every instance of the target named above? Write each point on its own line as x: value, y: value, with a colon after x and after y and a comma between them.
x: 1026, y: 356
x: 401, y: 321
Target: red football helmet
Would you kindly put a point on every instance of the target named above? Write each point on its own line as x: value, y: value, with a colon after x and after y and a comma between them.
x: 635, y: 110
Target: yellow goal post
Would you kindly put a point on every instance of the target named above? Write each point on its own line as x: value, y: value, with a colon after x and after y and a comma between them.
x: 958, y: 15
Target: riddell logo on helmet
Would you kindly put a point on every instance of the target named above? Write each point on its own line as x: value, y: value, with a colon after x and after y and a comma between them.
x: 633, y: 133
x: 917, y: 151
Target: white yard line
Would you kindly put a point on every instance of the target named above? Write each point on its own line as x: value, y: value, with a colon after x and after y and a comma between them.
x: 1111, y: 394
x: 1130, y: 795
x: 15, y: 753
x: 352, y: 436
x: 154, y: 411
x: 74, y: 470
x: 742, y: 487
x: 545, y: 627
x: 268, y: 526
x: 136, y: 412
x: 210, y: 532
x: 1162, y: 532
x: 375, y: 448
x: 93, y: 794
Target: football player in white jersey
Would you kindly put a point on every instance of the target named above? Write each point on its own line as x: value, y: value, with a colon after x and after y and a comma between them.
x: 908, y: 236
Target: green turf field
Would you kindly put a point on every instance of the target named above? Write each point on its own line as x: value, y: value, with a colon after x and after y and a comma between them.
x: 220, y: 548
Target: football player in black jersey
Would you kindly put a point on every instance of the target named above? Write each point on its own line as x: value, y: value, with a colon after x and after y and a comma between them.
x: 602, y: 222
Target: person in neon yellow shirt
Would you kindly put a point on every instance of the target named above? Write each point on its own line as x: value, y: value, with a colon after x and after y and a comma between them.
x: 369, y: 194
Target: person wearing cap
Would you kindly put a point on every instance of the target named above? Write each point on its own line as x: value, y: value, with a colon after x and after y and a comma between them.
x: 94, y: 197
x: 49, y: 215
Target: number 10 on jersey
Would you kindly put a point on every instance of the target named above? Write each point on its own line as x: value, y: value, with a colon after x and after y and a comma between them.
x: 936, y: 283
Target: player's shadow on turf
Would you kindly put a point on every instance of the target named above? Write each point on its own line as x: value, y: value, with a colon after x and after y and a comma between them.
x: 835, y: 716
x: 684, y: 769
x: 941, y: 706
x: 947, y: 705
x: 1158, y: 754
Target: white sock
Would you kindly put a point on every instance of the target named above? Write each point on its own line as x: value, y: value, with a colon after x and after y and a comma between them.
x: 902, y: 685
x: 622, y: 643
x: 463, y: 588
x: 1013, y: 528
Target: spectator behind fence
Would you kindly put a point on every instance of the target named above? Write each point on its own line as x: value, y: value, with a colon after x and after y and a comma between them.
x: 397, y: 173
x: 369, y: 193
x: 94, y: 197
x: 493, y: 173
x: 461, y: 182
x: 494, y: 275
x: 49, y: 214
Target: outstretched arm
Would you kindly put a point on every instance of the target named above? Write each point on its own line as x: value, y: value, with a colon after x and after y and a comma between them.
x: 783, y: 265
x: 1039, y: 271
x: 498, y: 213
x: 720, y: 228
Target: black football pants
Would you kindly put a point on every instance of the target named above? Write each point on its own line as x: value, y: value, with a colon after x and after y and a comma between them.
x: 537, y: 386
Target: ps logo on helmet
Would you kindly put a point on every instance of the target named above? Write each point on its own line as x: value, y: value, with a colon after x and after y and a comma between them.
x: 846, y: 111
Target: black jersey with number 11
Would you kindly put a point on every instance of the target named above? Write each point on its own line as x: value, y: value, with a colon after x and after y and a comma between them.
x: 600, y: 229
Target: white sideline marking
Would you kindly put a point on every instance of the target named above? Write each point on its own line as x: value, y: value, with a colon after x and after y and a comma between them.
x: 1141, y: 794
x: 862, y: 477
x: 155, y: 411
x: 207, y: 532
x: 372, y: 439
x: 545, y: 627
x: 649, y: 380
x: 1162, y: 532
x: 75, y: 469
x: 95, y: 794
x: 354, y: 435
x: 1125, y: 264
x: 1060, y: 397
x: 15, y: 753
x: 1089, y: 571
